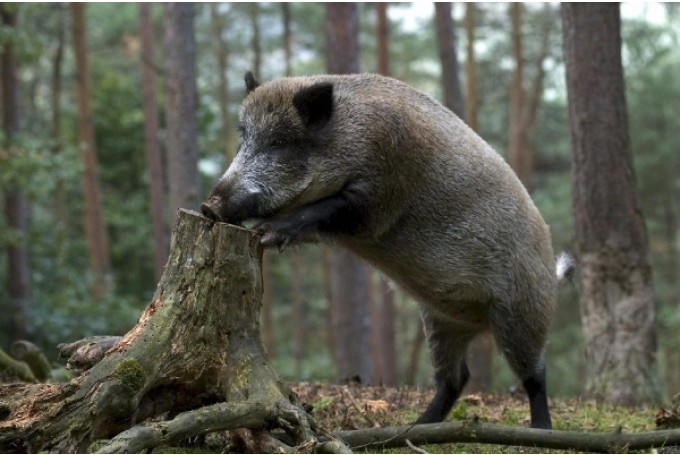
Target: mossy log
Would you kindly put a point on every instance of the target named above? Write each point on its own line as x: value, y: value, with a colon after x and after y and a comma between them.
x: 195, y: 345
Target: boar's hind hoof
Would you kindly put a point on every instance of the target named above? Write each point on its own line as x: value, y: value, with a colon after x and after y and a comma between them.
x: 208, y: 212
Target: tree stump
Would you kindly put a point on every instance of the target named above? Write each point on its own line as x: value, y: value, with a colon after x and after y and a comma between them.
x: 195, y: 350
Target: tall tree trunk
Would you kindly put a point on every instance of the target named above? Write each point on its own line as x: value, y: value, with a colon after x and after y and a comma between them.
x: 298, y: 312
x: 524, y: 106
x: 153, y: 152
x: 350, y: 312
x: 517, y: 140
x: 470, y: 72
x: 95, y: 230
x: 287, y: 39
x: 385, y: 326
x: 254, y: 9
x: 296, y: 296
x: 480, y: 352
x: 617, y: 298
x: 217, y: 21
x: 180, y: 106
x: 57, y: 82
x: 16, y: 205
x: 446, y: 43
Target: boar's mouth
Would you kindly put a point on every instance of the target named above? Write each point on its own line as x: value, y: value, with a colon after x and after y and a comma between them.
x: 210, y: 213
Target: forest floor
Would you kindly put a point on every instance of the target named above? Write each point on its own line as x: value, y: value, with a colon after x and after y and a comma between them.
x: 338, y: 407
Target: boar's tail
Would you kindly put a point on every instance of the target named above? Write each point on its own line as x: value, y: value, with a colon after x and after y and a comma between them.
x: 565, y: 266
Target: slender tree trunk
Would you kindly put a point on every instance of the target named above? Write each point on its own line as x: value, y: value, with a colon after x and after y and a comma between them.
x: 255, y: 40
x: 471, y: 102
x: 153, y: 152
x: 382, y: 32
x: 617, y: 298
x: 298, y: 312
x: 414, y: 356
x: 446, y: 43
x: 267, y: 310
x: 517, y: 140
x: 350, y: 311
x: 287, y: 38
x: 217, y: 20
x: 180, y: 106
x: 60, y: 217
x: 16, y: 205
x: 95, y: 230
x: 385, y: 322
x: 523, y: 105
x: 342, y: 38
x: 480, y: 352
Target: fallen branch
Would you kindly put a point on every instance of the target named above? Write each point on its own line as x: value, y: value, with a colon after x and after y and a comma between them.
x: 484, y: 433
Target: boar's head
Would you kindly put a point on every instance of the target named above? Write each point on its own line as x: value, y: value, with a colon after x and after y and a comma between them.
x: 283, y: 160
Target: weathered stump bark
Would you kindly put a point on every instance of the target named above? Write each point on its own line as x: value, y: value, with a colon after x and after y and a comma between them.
x: 196, y: 344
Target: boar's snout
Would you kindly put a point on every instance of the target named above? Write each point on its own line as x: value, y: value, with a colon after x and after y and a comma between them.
x: 212, y: 208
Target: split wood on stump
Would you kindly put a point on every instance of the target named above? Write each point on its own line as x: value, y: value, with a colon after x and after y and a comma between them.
x: 194, y: 355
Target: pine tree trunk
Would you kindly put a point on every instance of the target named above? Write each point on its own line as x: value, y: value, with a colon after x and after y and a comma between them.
x: 350, y: 297
x: 446, y: 43
x: 222, y: 55
x: 180, y: 106
x: 254, y: 11
x: 470, y: 72
x: 385, y: 326
x: 95, y: 230
x: 16, y: 205
x: 287, y: 39
x: 153, y: 152
x: 617, y: 298
x: 196, y: 344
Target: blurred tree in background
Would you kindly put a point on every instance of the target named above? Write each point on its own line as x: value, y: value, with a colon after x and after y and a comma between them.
x: 231, y: 38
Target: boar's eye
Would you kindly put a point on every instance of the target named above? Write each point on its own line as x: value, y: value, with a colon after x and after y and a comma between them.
x: 278, y: 142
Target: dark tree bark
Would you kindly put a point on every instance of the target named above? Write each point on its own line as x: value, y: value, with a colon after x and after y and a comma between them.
x: 180, y: 106
x: 342, y: 38
x: 471, y: 103
x: 95, y: 230
x: 16, y: 206
x: 480, y: 352
x: 617, y: 297
x: 350, y: 304
x: 153, y: 152
x: 287, y: 38
x: 217, y: 21
x: 384, y: 305
x: 446, y: 44
x: 55, y: 134
x: 255, y: 41
x: 195, y: 349
x: 523, y: 105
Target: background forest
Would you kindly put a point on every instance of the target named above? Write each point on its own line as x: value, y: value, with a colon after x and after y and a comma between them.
x: 504, y: 60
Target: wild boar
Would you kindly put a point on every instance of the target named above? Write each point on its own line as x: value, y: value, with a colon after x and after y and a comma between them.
x: 387, y: 172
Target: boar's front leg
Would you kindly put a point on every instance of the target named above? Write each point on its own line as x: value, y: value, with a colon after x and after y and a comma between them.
x: 343, y: 213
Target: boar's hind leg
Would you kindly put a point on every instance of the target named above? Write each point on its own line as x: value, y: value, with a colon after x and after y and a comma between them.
x: 522, y: 344
x: 448, y: 344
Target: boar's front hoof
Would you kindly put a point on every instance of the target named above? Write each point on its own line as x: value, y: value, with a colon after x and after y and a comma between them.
x: 275, y: 235
x: 208, y: 212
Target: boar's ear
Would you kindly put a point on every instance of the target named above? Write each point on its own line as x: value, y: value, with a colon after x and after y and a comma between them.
x: 315, y: 104
x: 251, y: 83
